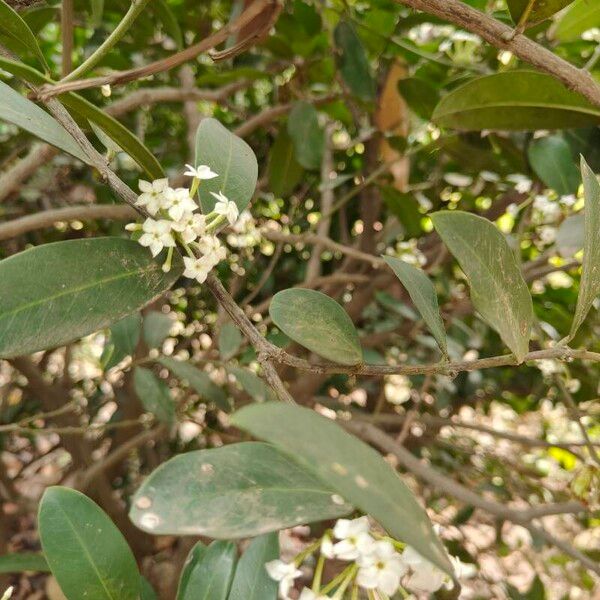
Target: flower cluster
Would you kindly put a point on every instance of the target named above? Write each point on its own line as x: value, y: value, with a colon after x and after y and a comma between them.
x: 174, y: 220
x: 379, y: 565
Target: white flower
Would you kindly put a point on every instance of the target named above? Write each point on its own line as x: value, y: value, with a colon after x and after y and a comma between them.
x: 284, y: 573
x: 227, y: 208
x: 153, y: 194
x: 308, y: 594
x: 196, y: 268
x: 191, y: 226
x: 200, y: 172
x: 211, y: 248
x: 424, y: 577
x: 8, y: 593
x: 354, y: 537
x: 327, y: 547
x: 178, y: 202
x: 381, y: 569
x: 157, y: 235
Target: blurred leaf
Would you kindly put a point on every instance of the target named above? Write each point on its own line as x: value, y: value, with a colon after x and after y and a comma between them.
x: 154, y: 394
x: 570, y: 236
x: 318, y: 323
x: 239, y: 490
x: 157, y: 327
x: 551, y: 159
x: 307, y: 136
x: 97, y: 10
x: 353, y: 469
x: 284, y: 170
x: 251, y: 581
x: 59, y: 301
x: 166, y: 16
x: 353, y: 62
x: 124, y: 338
x: 86, y: 552
x: 256, y: 388
x: 405, y: 208
x: 420, y: 96
x: 542, y: 9
x: 582, y: 16
x: 230, y: 340
x: 147, y: 591
x: 23, y: 561
x: 198, y: 380
x: 498, y: 289
x: 514, y: 100
x: 230, y: 157
x: 589, y: 288
x: 422, y: 293
x: 535, y: 592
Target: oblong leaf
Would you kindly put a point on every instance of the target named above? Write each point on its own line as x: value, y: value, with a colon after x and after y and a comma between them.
x: 422, y: 293
x: 154, y: 395
x: 240, y: 490
x: 56, y: 293
x: 157, y: 327
x: 23, y: 113
x: 317, y: 322
x: 230, y: 157
x: 498, y: 290
x: 23, y: 561
x: 256, y: 388
x: 124, y: 337
x: 251, y: 581
x: 542, y: 9
x: 191, y: 562
x: 583, y: 15
x: 307, y: 136
x: 86, y: 552
x: 514, y: 100
x: 352, y: 468
x: 589, y: 288
x: 551, y: 159
x: 284, y: 170
x: 15, y: 28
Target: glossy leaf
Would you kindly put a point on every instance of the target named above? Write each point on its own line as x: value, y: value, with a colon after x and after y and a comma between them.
x: 198, y: 380
x: 23, y: 113
x: 582, y: 16
x: 589, y: 288
x: 498, y: 289
x: 307, y: 136
x: 230, y: 157
x: 356, y: 471
x: 59, y: 301
x: 86, y: 552
x: 251, y: 581
x: 19, y: 33
x: 210, y: 573
x: 514, y: 100
x: 191, y: 562
x: 230, y: 340
x: 256, y: 388
x: 353, y: 62
x: 239, y: 490
x: 551, y: 159
x: 23, y: 561
x: 157, y: 327
x: 154, y: 394
x: 318, y: 323
x: 542, y: 9
x: 284, y: 170
x: 422, y: 293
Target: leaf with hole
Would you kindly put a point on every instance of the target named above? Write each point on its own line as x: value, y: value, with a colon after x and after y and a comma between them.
x: 318, y: 323
x: 239, y: 490
x: 589, y: 288
x: 229, y: 156
x: 354, y: 470
x: 552, y: 161
x: 59, y: 301
x: 514, y: 100
x: 154, y: 395
x: 498, y: 289
x: 422, y: 293
x: 86, y: 552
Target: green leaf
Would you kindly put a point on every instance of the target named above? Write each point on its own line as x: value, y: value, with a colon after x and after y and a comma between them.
x: 353, y: 62
x: 23, y: 561
x: 551, y: 159
x: 86, y: 111
x: 307, y: 136
x: 422, y: 292
x: 124, y: 338
x: 198, y: 380
x: 59, y: 301
x: 256, y: 388
x: 570, y: 236
x: 514, y: 100
x: 12, y: 26
x: 157, y: 327
x: 251, y: 581
x: 230, y: 340
x: 498, y: 289
x: 318, y: 323
x: 284, y: 170
x: 154, y: 395
x: 97, y: 10
x: 86, y: 552
x: 191, y: 562
x: 239, y: 490
x: 535, y: 592
x: 23, y: 113
x: 542, y: 9
x: 168, y: 20
x: 420, y: 96
x: 583, y: 15
x: 210, y: 572
x: 230, y: 157
x: 405, y: 208
x: 352, y: 468
x: 589, y: 287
